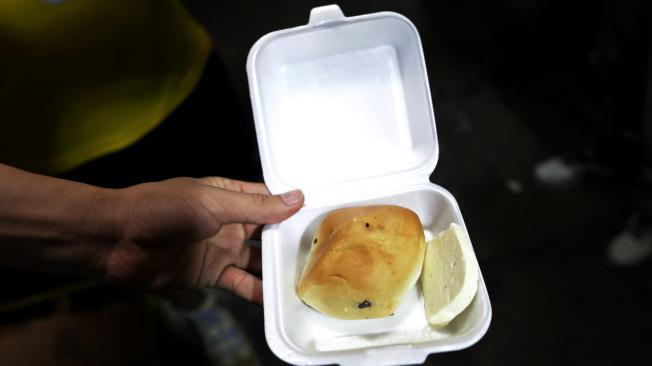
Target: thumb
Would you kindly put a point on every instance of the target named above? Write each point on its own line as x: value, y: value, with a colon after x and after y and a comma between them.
x: 238, y: 207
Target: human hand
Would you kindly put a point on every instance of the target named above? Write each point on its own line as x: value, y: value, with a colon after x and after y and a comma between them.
x: 187, y: 232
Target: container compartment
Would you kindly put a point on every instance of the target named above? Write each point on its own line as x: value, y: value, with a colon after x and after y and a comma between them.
x: 309, y: 334
x: 343, y: 102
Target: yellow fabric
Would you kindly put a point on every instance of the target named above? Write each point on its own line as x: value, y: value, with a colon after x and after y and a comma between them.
x: 82, y: 78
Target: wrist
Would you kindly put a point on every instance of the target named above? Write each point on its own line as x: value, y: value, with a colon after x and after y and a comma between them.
x: 100, y: 231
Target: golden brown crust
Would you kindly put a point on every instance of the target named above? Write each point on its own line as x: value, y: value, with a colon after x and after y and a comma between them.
x: 362, y: 261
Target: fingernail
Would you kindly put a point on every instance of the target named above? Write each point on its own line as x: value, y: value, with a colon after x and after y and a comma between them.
x: 292, y: 197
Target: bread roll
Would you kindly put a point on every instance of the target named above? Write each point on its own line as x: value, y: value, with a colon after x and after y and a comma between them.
x: 362, y: 261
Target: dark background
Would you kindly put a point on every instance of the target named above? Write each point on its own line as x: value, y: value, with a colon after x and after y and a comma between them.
x: 513, y: 83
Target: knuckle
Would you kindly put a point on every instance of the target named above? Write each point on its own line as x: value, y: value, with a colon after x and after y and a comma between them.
x: 218, y: 182
x: 238, y: 282
x: 259, y: 199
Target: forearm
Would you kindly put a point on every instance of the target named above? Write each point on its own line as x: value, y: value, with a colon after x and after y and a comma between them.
x: 50, y: 224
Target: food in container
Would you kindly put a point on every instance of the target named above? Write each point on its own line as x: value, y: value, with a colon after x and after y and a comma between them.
x: 362, y: 261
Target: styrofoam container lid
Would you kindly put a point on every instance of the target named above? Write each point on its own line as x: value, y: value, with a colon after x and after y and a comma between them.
x: 342, y: 99
x: 343, y: 111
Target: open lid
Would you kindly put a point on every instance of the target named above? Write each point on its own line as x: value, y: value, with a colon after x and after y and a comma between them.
x: 342, y: 102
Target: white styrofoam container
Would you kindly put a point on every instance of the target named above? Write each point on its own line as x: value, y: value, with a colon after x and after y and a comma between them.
x: 343, y: 111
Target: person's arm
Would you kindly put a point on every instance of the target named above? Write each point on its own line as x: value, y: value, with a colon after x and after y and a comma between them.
x: 176, y: 233
x: 53, y: 225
